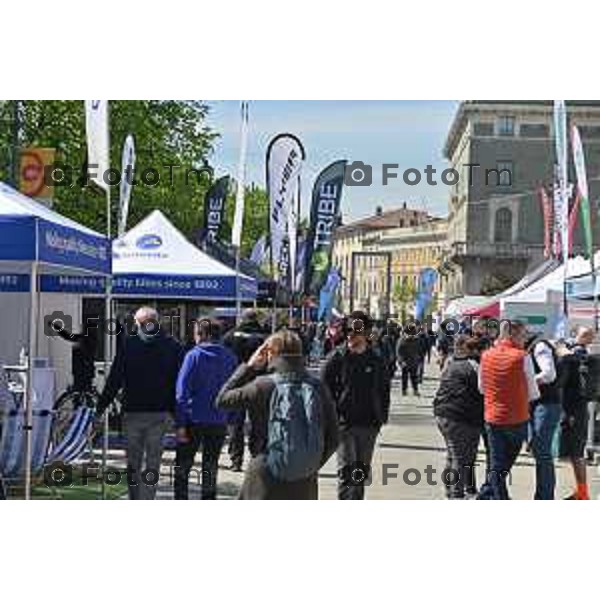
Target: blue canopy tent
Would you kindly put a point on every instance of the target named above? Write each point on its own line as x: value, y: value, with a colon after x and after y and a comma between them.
x: 36, y: 242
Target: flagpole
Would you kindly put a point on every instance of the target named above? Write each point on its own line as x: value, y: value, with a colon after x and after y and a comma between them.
x: 238, y: 217
x: 560, y: 140
x: 274, y: 307
x: 594, y: 293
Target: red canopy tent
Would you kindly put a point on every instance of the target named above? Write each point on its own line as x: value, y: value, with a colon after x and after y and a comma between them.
x: 489, y: 311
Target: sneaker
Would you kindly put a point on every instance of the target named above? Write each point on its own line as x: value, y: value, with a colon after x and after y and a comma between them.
x: 571, y: 497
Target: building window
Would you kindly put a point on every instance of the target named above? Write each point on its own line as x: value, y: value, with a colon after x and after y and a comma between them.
x: 483, y: 129
x: 503, y: 226
x: 505, y: 173
x: 534, y: 130
x: 506, y: 125
x: 589, y: 131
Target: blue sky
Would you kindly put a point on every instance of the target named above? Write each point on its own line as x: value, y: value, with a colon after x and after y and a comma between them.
x: 410, y: 133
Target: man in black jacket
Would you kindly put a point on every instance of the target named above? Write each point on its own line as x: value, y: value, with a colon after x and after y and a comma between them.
x: 576, y: 393
x: 411, y: 353
x: 244, y: 340
x: 360, y: 386
x: 82, y: 354
x: 146, y: 368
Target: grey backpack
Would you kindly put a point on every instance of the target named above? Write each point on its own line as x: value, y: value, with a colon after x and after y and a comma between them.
x: 295, y: 435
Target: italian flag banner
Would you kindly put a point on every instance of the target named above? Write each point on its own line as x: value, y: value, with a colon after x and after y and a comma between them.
x: 582, y: 187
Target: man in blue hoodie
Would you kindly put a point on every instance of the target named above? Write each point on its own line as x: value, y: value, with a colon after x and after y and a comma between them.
x: 205, y: 370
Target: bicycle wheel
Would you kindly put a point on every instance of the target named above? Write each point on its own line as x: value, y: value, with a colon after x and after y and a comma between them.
x: 64, y: 409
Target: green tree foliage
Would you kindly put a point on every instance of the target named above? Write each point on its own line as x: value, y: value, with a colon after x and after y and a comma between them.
x: 256, y: 216
x: 170, y: 136
x: 403, y: 294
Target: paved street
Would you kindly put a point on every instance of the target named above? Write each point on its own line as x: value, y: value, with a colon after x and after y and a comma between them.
x: 410, y: 441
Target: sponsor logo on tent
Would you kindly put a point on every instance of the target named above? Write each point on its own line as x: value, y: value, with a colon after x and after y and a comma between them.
x: 149, y: 241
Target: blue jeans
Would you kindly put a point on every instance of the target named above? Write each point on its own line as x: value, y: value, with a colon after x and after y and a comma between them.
x: 542, y: 429
x: 505, y: 443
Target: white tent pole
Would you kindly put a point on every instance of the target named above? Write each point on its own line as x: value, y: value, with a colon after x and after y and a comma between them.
x: 107, y: 311
x: 107, y: 342
x: 238, y: 295
x: 33, y: 316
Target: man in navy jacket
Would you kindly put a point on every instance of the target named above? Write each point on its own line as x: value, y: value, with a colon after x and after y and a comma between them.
x: 205, y: 370
x: 145, y: 368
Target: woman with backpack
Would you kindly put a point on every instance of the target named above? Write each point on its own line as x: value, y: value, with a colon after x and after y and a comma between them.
x: 294, y: 425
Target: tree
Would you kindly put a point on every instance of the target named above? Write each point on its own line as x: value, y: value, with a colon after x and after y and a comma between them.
x: 256, y: 216
x: 403, y: 294
x: 166, y: 133
x: 170, y: 136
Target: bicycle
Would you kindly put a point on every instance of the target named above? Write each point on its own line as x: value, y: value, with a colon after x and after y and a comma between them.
x: 72, y: 399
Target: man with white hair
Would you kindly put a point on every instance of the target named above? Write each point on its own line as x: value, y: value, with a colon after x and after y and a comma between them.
x: 145, y: 368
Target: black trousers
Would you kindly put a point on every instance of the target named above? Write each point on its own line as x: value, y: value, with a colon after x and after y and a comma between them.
x: 2, y: 491
x: 236, y: 440
x: 412, y: 372
x: 462, y: 441
x: 354, y: 457
x: 211, y: 439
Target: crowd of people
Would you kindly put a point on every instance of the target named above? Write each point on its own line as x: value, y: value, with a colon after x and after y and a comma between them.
x: 498, y: 385
x: 250, y: 383
x: 513, y: 390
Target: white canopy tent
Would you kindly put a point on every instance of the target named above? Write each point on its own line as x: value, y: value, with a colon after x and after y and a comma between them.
x: 541, y: 303
x: 154, y: 259
x: 553, y: 281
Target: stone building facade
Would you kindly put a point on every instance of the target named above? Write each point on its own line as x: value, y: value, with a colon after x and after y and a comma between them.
x: 411, y: 238
x: 495, y: 222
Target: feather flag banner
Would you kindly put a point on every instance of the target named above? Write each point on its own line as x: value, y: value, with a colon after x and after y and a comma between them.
x: 238, y: 215
x: 285, y: 156
x: 582, y: 188
x: 127, y: 169
x: 561, y: 204
x: 547, y: 212
x: 96, y: 127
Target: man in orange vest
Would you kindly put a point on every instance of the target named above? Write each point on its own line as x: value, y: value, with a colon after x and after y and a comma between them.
x: 507, y: 382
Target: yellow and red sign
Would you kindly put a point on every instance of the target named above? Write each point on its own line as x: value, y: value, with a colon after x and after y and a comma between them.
x: 31, y: 175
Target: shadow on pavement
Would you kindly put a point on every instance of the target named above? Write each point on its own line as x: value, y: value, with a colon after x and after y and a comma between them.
x: 412, y: 447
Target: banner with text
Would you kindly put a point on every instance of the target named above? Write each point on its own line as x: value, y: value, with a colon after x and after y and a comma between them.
x: 324, y: 218
x: 284, y: 166
x: 127, y: 170
x: 214, y: 209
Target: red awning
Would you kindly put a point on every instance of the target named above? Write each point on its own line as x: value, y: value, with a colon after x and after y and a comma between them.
x: 490, y: 311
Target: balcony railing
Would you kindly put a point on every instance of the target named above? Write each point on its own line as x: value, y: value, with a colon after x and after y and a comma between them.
x: 501, y: 250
